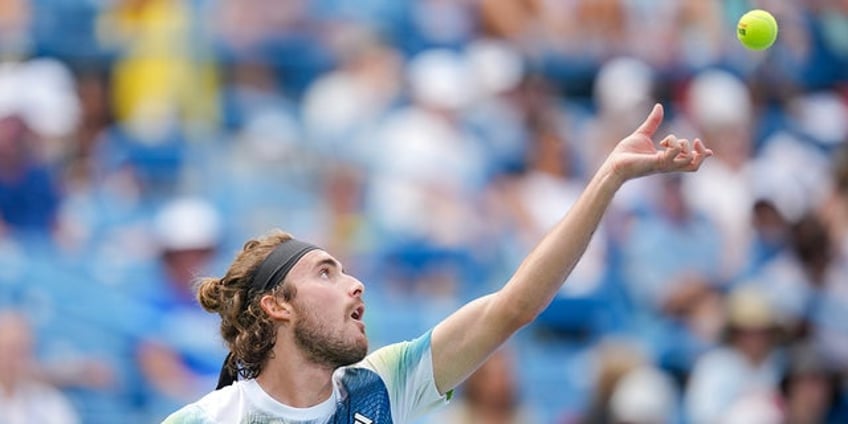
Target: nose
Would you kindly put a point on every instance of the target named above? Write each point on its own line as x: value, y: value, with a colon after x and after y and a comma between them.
x: 356, y: 288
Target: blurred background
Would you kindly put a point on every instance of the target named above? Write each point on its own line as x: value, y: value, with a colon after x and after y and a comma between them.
x: 427, y: 144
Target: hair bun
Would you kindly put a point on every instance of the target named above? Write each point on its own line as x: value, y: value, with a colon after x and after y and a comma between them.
x: 209, y: 293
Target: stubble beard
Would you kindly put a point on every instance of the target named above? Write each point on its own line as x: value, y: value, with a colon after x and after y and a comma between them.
x: 324, y: 346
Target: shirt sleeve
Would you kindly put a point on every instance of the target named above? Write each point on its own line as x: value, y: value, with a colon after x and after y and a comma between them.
x: 191, y: 414
x: 407, y: 371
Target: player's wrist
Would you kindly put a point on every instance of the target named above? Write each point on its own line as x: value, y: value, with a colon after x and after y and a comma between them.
x: 610, y: 177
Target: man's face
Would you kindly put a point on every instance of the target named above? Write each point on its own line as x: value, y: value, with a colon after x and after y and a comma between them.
x: 329, y: 309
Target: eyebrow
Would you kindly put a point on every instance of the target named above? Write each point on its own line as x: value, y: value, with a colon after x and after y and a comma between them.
x: 331, y: 262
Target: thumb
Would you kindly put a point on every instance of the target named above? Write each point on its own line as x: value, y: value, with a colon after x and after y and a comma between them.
x: 652, y: 122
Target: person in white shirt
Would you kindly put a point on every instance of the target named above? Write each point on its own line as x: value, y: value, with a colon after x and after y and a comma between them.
x: 747, y: 364
x: 292, y: 317
x: 23, y: 398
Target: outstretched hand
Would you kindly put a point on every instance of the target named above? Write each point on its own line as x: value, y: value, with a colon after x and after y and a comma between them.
x: 462, y: 341
x: 636, y: 155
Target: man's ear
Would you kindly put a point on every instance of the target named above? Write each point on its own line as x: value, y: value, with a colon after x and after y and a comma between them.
x: 275, y: 307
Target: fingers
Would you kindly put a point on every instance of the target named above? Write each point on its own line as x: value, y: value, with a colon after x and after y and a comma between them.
x: 668, y: 140
x: 685, y: 156
x: 680, y: 155
x: 674, y: 148
x: 652, y: 122
x: 701, y: 149
x: 684, y: 147
x: 700, y: 153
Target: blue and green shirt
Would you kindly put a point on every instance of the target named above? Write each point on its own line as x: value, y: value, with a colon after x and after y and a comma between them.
x: 392, y: 385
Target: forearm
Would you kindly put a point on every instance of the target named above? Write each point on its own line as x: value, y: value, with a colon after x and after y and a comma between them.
x: 543, y: 272
x: 463, y: 340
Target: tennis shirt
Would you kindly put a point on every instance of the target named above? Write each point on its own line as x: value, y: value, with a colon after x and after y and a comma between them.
x: 393, y: 385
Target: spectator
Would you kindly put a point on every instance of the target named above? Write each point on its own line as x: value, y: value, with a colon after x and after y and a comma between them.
x: 667, y: 233
x: 724, y: 190
x: 164, y: 68
x: 623, y: 85
x: 23, y: 398
x: 547, y: 183
x: 747, y: 363
x: 38, y: 110
x: 491, y: 395
x: 342, y: 107
x: 339, y: 122
x: 806, y: 283
x: 429, y: 172
x: 644, y: 395
x: 811, y: 389
x: 681, y: 306
x: 28, y: 195
x: 615, y: 360
x: 178, y: 360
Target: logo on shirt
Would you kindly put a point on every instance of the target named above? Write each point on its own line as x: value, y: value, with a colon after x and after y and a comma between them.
x: 361, y: 419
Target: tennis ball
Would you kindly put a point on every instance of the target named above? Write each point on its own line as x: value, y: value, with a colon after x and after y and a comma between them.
x: 757, y: 30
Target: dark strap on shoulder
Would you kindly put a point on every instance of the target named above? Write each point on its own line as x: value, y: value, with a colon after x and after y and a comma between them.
x: 226, y: 377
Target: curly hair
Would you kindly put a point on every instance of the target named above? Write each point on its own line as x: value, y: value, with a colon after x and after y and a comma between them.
x: 248, y: 331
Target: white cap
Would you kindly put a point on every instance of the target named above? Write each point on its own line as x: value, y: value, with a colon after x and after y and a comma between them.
x: 441, y: 78
x: 53, y: 108
x: 644, y: 395
x: 718, y: 98
x: 188, y: 224
x: 624, y: 84
x: 824, y: 115
x: 42, y: 92
x: 792, y: 175
x: 496, y: 66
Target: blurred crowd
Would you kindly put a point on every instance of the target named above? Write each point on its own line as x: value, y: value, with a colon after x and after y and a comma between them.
x: 427, y: 144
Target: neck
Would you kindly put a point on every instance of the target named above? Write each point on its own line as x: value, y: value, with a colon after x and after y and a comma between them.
x: 294, y: 380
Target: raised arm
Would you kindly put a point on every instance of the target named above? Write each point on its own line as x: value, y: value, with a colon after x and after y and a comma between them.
x: 465, y: 339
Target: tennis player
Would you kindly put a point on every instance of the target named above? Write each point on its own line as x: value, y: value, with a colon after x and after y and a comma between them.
x: 292, y: 317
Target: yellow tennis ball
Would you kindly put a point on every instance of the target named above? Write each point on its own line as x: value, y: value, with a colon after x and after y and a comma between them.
x: 757, y: 29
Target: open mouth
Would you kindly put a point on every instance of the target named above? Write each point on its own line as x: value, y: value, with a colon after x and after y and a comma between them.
x: 358, y: 313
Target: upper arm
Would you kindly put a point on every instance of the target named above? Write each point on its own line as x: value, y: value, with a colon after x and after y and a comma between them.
x: 465, y: 339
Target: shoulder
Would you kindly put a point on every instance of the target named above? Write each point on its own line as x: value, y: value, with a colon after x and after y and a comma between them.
x: 404, y: 372
x: 397, y: 356
x: 359, y: 377
x: 211, y: 408
x: 189, y: 414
